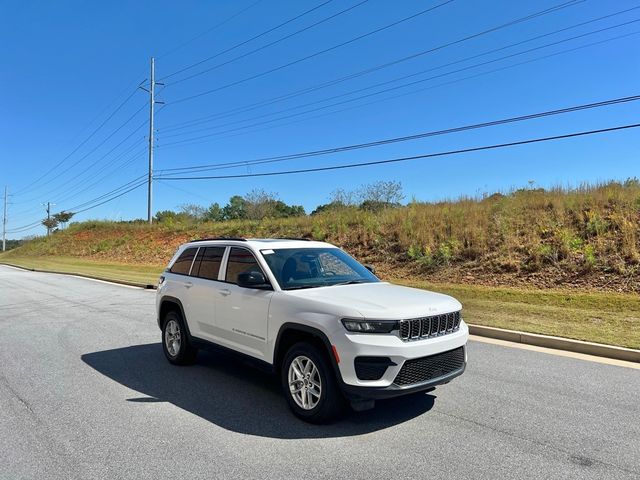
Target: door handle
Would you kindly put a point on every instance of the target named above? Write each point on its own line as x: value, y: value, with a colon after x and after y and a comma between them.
x: 224, y: 292
x: 188, y: 284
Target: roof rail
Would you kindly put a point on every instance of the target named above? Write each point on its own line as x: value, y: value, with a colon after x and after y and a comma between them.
x: 238, y: 239
x: 293, y: 238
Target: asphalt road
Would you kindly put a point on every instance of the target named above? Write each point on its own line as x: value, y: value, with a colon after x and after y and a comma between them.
x: 85, y: 392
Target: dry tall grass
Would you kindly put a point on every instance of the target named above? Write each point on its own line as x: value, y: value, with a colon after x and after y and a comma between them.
x: 591, y: 230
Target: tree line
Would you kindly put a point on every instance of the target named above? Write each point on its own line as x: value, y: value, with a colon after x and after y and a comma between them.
x: 259, y: 205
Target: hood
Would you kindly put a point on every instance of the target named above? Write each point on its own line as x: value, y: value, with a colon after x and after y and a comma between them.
x: 382, y: 300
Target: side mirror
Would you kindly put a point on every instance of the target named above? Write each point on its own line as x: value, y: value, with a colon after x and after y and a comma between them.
x: 371, y: 268
x: 253, y: 279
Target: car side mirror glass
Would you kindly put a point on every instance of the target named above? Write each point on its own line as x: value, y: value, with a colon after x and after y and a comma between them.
x: 253, y: 279
x: 371, y: 268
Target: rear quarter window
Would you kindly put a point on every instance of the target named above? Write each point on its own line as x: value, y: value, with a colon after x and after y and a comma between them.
x: 207, y: 265
x: 183, y: 264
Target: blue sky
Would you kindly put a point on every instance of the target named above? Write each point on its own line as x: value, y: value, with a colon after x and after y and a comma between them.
x: 67, y: 66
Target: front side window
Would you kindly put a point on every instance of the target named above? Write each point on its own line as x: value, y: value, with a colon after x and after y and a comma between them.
x: 240, y: 261
x: 207, y: 265
x: 183, y: 264
x: 296, y: 268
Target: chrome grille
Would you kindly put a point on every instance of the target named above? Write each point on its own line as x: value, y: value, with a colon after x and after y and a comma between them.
x: 427, y: 327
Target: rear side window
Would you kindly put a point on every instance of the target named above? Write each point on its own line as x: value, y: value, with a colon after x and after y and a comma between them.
x: 240, y: 261
x: 208, y: 263
x: 184, y: 261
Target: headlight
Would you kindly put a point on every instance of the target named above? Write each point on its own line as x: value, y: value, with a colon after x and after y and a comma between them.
x: 370, y: 326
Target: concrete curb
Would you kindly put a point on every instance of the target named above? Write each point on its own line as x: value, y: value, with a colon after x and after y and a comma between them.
x: 558, y: 343
x: 147, y: 286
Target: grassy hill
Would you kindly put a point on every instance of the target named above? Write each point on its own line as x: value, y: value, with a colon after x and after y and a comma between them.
x: 562, y: 261
x: 587, y: 237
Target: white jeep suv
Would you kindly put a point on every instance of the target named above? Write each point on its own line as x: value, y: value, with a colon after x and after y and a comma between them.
x: 310, y: 312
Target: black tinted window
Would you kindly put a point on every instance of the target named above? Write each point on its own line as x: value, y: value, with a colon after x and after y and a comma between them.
x: 240, y: 261
x: 183, y: 263
x: 315, y: 267
x: 208, y: 263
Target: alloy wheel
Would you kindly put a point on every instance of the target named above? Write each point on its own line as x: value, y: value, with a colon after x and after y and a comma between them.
x: 172, y: 338
x: 305, y: 384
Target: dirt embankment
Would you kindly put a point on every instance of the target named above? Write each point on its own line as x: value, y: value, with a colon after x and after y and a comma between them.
x: 584, y: 238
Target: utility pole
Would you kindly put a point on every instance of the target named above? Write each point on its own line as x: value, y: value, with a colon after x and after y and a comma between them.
x: 48, y: 216
x: 152, y: 101
x: 48, y: 205
x: 4, y: 222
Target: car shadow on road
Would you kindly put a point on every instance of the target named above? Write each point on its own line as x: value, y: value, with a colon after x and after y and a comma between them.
x: 236, y: 396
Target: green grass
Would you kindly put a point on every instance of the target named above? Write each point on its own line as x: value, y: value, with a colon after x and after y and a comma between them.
x: 598, y: 317
x: 144, y: 274
x: 608, y: 318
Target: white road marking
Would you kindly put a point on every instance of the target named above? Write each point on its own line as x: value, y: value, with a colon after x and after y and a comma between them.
x: 104, y: 281
x: 15, y: 268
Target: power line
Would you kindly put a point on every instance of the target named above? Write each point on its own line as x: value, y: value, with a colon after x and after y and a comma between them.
x: 238, y: 45
x: 412, y: 92
x: 113, y: 198
x: 253, y: 106
x: 334, y: 150
x: 140, y: 180
x: 294, y: 62
x: 394, y: 80
x: 98, y: 180
x: 25, y: 227
x: 136, y: 156
x: 104, y: 165
x: 209, y: 30
x: 89, y: 153
x: 174, y: 187
x: 414, y: 157
x: 117, y: 191
x: 345, y: 148
x: 125, y: 152
x: 92, y: 151
x: 380, y: 92
x: 263, y: 47
x: 76, y: 211
x: 91, y: 135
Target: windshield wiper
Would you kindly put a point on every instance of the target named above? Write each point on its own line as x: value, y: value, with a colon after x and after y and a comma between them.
x: 301, y: 287
x: 351, y: 282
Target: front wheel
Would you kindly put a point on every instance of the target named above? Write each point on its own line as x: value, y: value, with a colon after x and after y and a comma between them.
x: 175, y: 341
x: 309, y: 384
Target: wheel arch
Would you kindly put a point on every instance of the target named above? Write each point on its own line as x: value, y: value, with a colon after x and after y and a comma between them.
x: 291, y: 333
x: 169, y: 304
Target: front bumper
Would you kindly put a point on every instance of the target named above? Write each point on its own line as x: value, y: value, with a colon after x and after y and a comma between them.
x: 378, y: 393
x: 350, y: 346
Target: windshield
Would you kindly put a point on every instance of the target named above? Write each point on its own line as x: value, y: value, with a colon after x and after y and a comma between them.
x: 296, y: 268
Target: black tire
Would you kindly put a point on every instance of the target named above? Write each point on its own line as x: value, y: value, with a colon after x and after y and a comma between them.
x: 185, y: 353
x: 331, y: 402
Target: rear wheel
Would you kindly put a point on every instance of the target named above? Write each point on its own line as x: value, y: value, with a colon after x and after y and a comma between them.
x: 309, y: 384
x: 175, y: 341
